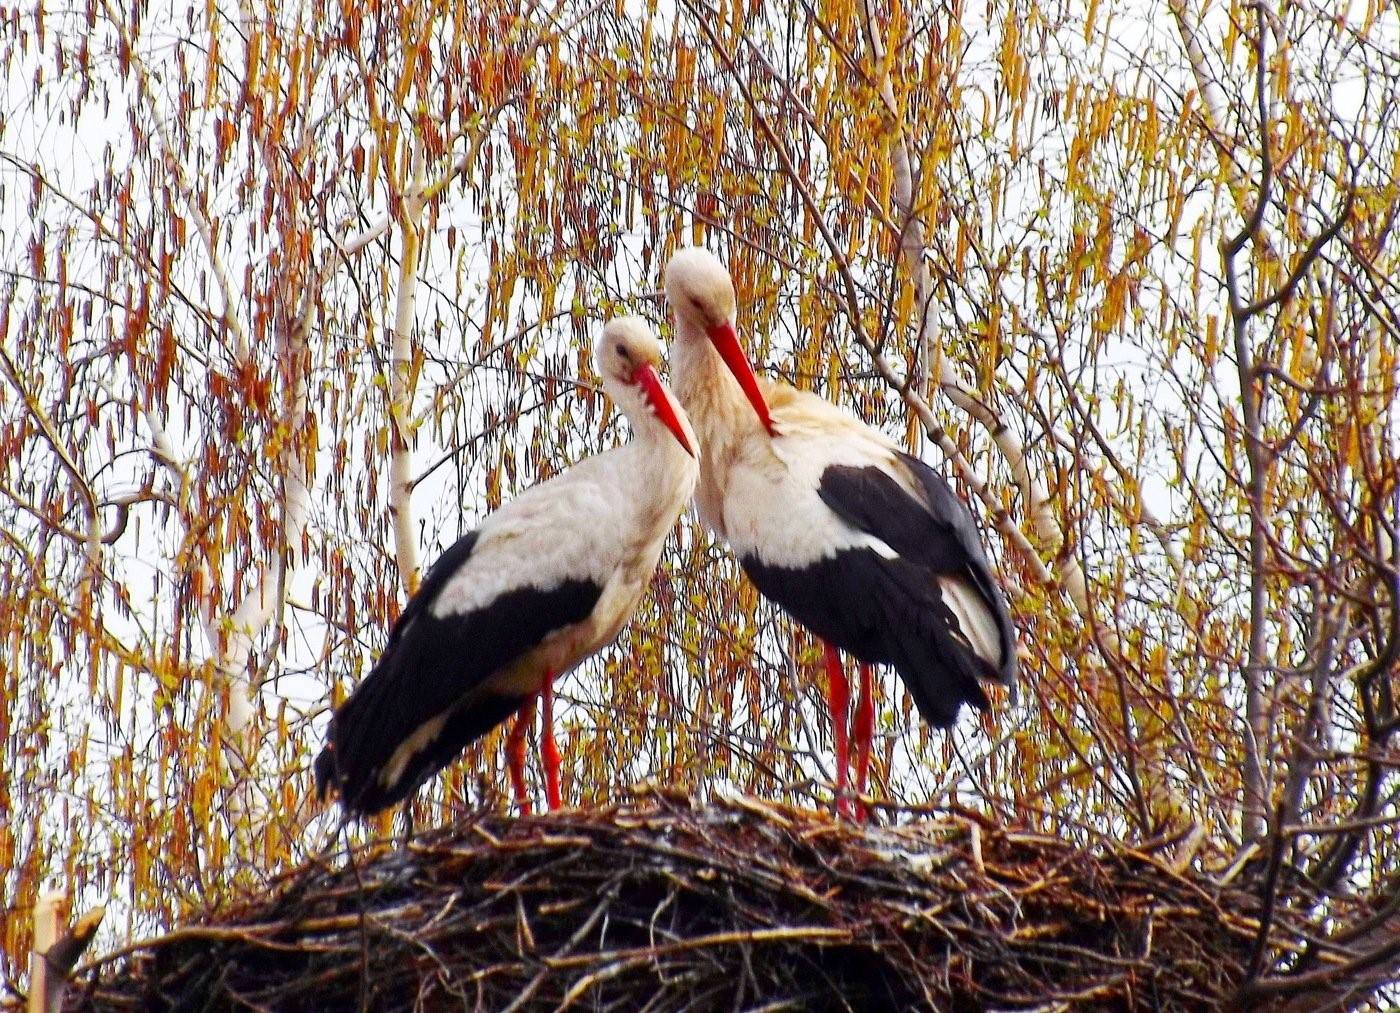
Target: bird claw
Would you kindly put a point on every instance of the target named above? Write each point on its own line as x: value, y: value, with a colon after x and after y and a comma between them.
x: 850, y: 806
x: 845, y: 808
x: 399, y: 867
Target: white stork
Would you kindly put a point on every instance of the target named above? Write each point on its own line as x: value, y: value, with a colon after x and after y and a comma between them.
x: 546, y: 581
x: 860, y: 542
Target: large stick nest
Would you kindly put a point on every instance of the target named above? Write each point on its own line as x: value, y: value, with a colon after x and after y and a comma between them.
x: 666, y: 906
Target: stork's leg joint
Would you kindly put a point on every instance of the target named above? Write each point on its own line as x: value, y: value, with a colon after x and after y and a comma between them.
x: 863, y: 731
x: 838, y: 697
x: 515, y: 754
x: 549, y: 751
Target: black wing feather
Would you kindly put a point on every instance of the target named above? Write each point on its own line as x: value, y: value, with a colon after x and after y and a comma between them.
x: 892, y: 611
x: 431, y: 667
x: 941, y: 536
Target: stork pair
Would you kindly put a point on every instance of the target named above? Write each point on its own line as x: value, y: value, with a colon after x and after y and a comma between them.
x: 861, y: 543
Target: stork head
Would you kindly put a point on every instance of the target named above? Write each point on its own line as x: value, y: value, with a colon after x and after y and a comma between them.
x: 627, y: 357
x: 701, y: 295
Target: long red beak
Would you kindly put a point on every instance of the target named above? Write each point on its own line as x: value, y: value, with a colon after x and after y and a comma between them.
x: 726, y: 342
x: 660, y: 400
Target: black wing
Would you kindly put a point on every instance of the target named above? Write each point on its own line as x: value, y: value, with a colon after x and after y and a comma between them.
x: 942, y: 537
x: 893, y: 611
x: 429, y: 670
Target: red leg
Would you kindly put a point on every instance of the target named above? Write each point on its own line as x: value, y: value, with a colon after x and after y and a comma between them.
x: 549, y: 752
x: 838, y: 697
x: 515, y: 754
x: 862, y: 731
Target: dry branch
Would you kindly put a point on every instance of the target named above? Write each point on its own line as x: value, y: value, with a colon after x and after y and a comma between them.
x: 54, y: 956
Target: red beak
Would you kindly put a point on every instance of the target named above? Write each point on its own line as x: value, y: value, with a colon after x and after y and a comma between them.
x: 660, y: 400
x: 726, y: 342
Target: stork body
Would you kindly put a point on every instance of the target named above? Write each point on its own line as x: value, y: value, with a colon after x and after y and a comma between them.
x: 860, y: 542
x: 545, y: 582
